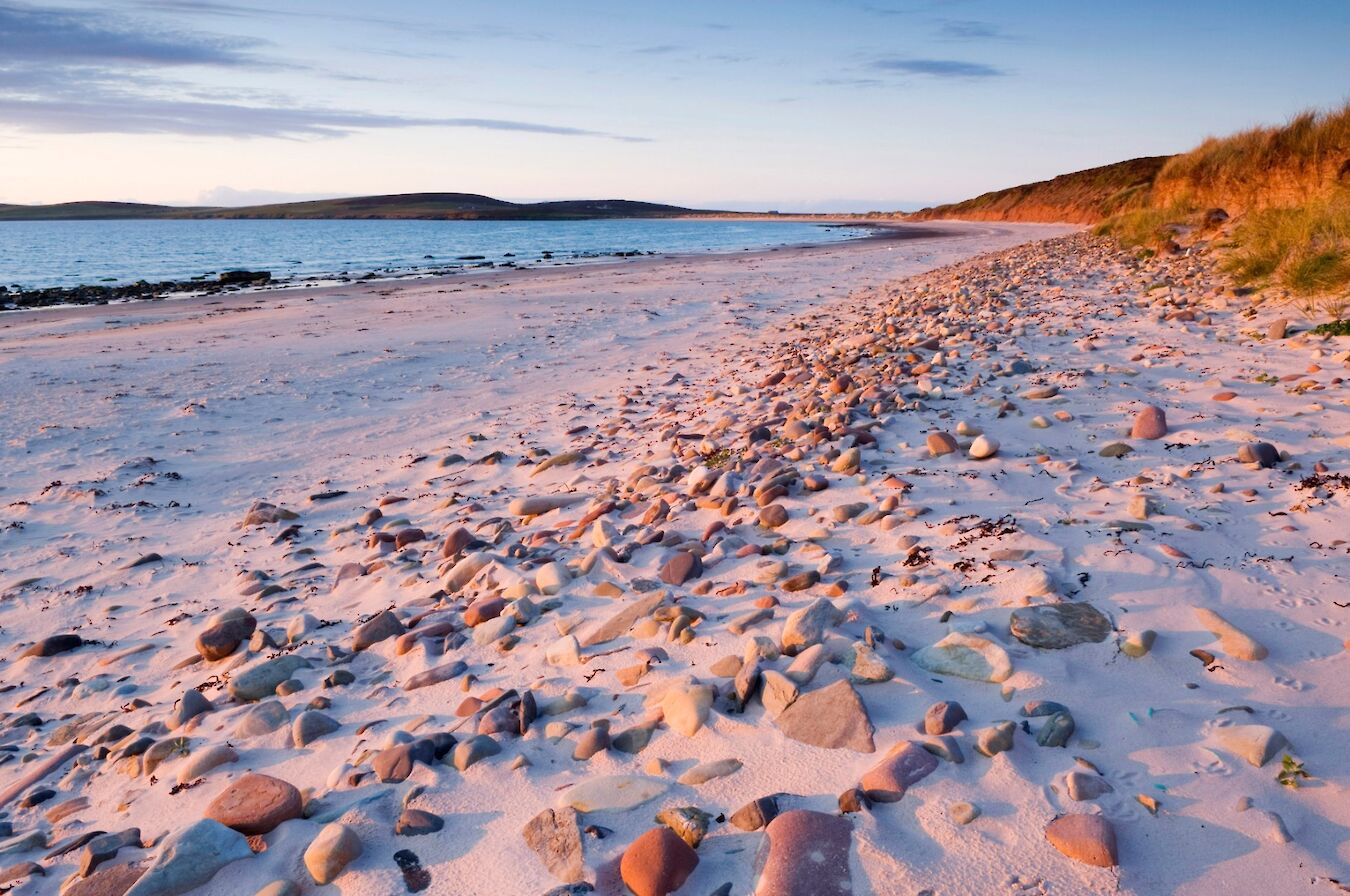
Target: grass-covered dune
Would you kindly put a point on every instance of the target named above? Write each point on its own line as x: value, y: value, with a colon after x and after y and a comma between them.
x: 1083, y: 197
x: 1284, y: 193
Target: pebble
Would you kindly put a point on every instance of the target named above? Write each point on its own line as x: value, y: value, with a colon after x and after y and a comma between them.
x: 1263, y: 454
x: 255, y: 804
x: 555, y: 837
x: 755, y: 814
x: 805, y: 853
x: 807, y: 626
x: 963, y: 813
x: 940, y: 443
x: 708, y: 771
x: 380, y: 627
x: 657, y: 863
x: 611, y: 793
x: 1139, y: 643
x: 475, y: 750
x: 1232, y: 640
x: 261, y: 719
x: 943, y: 717
x: 336, y: 847
x: 190, y: 858
x: 965, y: 656
x: 983, y: 447
x: 261, y: 680
x: 1082, y: 785
x: 1258, y: 744
x: 904, y: 765
x: 1056, y: 626
x: 417, y: 822
x: 1089, y: 839
x: 832, y: 717
x: 997, y: 738
x: 1149, y: 423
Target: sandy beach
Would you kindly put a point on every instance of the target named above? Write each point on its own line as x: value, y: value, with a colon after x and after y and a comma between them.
x: 493, y: 570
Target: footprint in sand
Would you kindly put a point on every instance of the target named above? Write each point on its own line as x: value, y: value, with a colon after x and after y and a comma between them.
x: 1292, y: 684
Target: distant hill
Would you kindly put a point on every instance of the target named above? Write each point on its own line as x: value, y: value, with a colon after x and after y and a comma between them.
x: 1083, y: 197
x: 430, y: 206
x: 86, y: 211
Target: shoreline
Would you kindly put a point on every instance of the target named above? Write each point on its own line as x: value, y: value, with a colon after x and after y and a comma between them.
x: 879, y: 232
x: 141, y: 290
x: 931, y: 419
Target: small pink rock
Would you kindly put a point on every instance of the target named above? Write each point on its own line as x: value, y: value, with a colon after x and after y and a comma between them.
x: 483, y: 609
x: 1150, y: 423
x: 940, y: 443
x: 904, y: 764
x: 1089, y: 839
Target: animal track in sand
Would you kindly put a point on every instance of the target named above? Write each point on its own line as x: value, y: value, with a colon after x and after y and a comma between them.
x: 1215, y: 766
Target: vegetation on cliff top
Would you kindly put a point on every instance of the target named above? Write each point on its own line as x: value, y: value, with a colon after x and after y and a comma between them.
x: 1083, y: 197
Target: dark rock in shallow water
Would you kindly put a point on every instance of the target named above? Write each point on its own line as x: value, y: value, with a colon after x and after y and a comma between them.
x: 232, y: 278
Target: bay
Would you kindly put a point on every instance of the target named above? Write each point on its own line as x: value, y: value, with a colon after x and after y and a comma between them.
x: 43, y: 254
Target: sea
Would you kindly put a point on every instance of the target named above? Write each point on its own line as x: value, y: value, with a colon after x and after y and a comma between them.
x: 45, y: 254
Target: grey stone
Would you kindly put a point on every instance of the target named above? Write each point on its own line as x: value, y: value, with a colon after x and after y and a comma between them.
x: 1055, y: 626
x: 311, y: 725
x: 807, y: 626
x: 943, y: 717
x: 380, y: 627
x: 191, y: 858
x: 257, y: 682
x: 832, y: 717
x: 1085, y: 785
x: 475, y: 749
x: 415, y: 822
x: 555, y: 837
x: 1056, y: 731
x: 997, y: 738
x: 105, y: 848
x: 262, y: 719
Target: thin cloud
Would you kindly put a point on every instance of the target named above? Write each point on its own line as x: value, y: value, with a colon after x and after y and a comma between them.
x: 209, y: 8
x: 938, y: 68
x: 126, y: 113
x: 40, y: 35
x: 852, y: 82
x: 969, y: 29
x: 87, y: 73
x: 660, y: 50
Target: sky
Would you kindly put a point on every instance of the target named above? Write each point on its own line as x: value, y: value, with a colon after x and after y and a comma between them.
x: 843, y: 105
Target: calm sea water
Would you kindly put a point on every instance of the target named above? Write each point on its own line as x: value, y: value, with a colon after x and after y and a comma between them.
x: 39, y: 254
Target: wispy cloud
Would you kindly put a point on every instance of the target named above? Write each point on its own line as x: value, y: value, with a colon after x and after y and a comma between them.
x: 45, y: 35
x: 111, y: 112
x: 86, y: 73
x: 938, y: 68
x: 969, y: 29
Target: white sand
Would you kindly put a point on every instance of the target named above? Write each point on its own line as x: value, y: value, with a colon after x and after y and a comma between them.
x: 364, y: 388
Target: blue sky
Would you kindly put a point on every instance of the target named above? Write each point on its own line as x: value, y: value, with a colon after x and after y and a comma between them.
x: 790, y: 105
